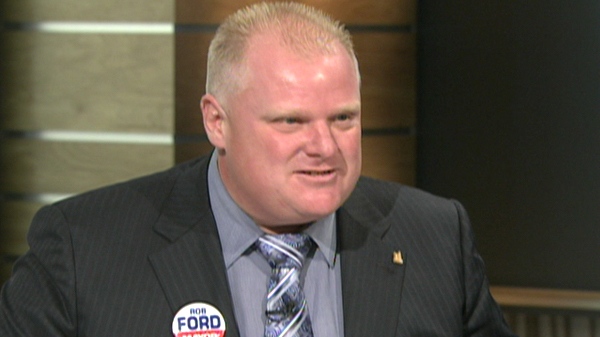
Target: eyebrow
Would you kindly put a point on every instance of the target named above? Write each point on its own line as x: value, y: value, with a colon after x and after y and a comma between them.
x: 354, y: 107
x: 349, y: 108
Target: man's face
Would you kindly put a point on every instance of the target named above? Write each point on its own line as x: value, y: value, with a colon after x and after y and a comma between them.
x: 291, y: 136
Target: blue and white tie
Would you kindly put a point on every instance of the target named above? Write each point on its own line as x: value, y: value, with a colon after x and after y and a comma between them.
x: 287, y: 312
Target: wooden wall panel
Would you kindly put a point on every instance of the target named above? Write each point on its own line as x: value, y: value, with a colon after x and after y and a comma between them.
x: 80, y: 82
x: 87, y: 82
x: 388, y: 12
x: 77, y: 10
x: 190, y: 78
x: 190, y: 151
x: 388, y: 70
x: 390, y: 157
x: 31, y: 166
x: 531, y: 323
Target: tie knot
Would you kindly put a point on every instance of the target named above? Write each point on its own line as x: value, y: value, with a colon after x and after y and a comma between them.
x: 285, y: 250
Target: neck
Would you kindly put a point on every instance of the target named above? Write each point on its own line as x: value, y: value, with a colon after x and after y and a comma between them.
x: 283, y: 229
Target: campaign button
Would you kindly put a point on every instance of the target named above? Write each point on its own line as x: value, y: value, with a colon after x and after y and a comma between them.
x: 198, y: 320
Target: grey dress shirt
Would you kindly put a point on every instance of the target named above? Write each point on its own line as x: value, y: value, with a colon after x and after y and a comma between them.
x: 248, y: 271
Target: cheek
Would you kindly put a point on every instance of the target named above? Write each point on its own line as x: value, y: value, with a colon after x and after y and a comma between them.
x: 279, y: 149
x: 247, y: 140
x: 351, y: 146
x: 263, y: 154
x: 352, y: 152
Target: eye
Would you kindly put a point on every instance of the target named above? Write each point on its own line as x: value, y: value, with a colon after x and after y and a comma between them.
x: 346, y: 120
x: 288, y: 123
x: 343, y: 117
x: 291, y: 120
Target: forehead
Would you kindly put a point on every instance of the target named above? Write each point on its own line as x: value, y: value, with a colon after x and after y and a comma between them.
x: 302, y: 45
x: 276, y: 78
x: 270, y: 53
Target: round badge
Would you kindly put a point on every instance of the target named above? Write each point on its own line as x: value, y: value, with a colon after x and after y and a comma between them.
x: 198, y: 320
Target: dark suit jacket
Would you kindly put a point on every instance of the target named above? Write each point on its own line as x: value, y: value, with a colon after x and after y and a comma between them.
x: 120, y: 261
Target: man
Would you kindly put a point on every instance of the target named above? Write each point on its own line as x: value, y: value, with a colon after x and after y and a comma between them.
x: 181, y: 252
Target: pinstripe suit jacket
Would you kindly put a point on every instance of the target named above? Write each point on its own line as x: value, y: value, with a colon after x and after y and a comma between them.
x: 120, y: 261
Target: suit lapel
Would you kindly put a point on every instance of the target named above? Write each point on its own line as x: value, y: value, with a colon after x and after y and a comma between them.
x: 191, y: 268
x: 371, y: 281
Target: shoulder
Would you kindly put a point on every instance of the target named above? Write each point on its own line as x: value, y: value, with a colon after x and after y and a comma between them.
x: 386, y: 196
x: 139, y: 200
x: 390, y: 207
x: 117, y: 216
x: 149, y: 190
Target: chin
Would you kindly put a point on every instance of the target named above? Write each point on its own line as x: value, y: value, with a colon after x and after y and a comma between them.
x: 316, y: 213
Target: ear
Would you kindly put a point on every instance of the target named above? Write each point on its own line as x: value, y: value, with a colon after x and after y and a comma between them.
x: 214, y: 118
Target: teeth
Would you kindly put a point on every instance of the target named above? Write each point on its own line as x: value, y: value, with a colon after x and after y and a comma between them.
x: 316, y: 173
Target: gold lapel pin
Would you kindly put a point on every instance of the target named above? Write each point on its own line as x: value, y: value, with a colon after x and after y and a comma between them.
x: 397, y: 257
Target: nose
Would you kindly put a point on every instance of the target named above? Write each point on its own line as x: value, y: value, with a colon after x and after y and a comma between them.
x: 321, y: 141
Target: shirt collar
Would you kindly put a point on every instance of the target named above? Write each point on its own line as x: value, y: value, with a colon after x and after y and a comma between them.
x: 238, y: 232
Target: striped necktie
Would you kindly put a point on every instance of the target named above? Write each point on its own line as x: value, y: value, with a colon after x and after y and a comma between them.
x: 287, y: 312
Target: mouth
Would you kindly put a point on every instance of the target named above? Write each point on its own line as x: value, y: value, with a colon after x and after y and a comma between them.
x: 317, y: 173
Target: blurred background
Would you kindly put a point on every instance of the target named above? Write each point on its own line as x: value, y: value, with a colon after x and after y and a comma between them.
x: 495, y: 103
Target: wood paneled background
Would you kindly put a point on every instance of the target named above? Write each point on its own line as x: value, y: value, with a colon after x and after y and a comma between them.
x: 82, y: 108
x: 87, y: 100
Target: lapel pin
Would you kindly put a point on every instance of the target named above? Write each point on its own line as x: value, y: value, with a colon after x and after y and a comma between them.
x: 397, y: 257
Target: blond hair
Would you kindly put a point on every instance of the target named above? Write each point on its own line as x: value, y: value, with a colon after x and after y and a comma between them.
x: 303, y: 29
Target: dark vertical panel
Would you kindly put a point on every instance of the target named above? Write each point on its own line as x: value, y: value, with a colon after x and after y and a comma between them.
x: 509, y: 113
